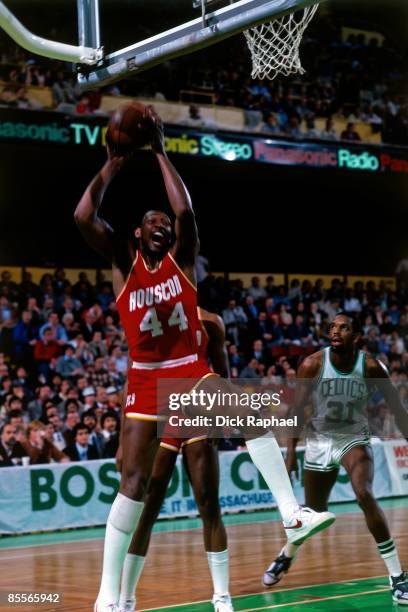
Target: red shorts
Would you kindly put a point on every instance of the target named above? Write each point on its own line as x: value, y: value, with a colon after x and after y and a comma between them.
x: 142, y: 400
x: 175, y: 444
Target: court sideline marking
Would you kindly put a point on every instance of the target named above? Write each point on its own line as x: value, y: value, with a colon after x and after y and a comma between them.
x: 269, y: 592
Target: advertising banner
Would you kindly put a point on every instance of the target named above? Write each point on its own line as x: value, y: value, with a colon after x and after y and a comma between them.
x: 59, y: 496
x: 59, y: 129
x: 396, y: 453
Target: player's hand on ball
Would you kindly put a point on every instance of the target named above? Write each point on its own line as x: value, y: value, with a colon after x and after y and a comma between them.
x: 157, y: 141
x: 116, y: 161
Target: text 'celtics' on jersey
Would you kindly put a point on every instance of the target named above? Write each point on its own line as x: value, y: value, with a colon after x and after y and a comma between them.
x: 340, y: 398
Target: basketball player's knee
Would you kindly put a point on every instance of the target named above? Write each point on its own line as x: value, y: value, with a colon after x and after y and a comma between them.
x: 134, y: 485
x: 125, y: 513
x: 208, y: 508
x: 365, y: 498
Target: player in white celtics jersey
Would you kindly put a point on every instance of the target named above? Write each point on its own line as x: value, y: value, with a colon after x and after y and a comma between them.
x: 337, y: 380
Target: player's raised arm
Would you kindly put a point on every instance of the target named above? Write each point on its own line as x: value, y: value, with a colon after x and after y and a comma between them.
x: 96, y: 231
x: 216, y: 346
x: 186, y: 248
x: 376, y: 371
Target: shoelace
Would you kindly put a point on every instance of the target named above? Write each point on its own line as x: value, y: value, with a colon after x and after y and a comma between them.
x: 222, y: 599
x: 401, y: 579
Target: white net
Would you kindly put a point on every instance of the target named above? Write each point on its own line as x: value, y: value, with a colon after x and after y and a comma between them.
x: 274, y: 45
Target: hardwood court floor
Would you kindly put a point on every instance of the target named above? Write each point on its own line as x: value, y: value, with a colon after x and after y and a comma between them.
x: 176, y: 573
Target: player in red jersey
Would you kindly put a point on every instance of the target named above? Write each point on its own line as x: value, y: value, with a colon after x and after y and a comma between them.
x: 201, y: 461
x: 155, y: 289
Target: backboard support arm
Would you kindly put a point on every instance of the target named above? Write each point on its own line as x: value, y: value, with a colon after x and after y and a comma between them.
x: 188, y: 37
x: 88, y: 23
x: 42, y: 46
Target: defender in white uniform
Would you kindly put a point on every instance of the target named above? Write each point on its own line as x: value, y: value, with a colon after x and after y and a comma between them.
x: 338, y: 379
x: 339, y: 422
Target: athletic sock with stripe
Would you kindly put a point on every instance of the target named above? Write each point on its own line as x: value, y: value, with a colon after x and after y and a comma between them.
x: 389, y: 555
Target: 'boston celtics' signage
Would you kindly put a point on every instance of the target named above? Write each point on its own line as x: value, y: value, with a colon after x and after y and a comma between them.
x: 58, y: 496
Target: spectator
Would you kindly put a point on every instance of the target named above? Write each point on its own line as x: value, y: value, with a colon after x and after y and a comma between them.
x: 45, y: 351
x: 95, y: 436
x: 255, y: 290
x: 25, y: 335
x: 265, y: 330
x: 293, y: 129
x: 113, y: 398
x: 109, y: 430
x: 252, y: 370
x: 258, y: 353
x: 271, y: 126
x: 271, y: 379
x: 329, y: 132
x: 120, y: 359
x: 350, y: 134
x: 39, y: 448
x: 80, y: 449
x: 58, y: 332
x: 234, y: 319
x: 235, y: 360
x: 98, y: 345
x: 383, y: 425
x: 12, y: 446
x: 89, y: 396
x: 63, y: 90
x: 194, y: 118
x: 72, y: 418
x: 58, y: 438
x: 36, y: 406
x: 68, y: 365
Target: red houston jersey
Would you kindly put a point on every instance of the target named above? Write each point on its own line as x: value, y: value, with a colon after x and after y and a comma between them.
x: 158, y: 310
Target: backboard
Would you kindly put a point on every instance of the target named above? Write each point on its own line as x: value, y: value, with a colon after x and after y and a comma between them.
x: 215, y: 21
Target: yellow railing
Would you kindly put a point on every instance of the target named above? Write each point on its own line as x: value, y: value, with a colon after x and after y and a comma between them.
x: 279, y: 277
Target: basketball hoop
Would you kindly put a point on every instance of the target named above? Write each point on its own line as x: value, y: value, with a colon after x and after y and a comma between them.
x: 274, y: 45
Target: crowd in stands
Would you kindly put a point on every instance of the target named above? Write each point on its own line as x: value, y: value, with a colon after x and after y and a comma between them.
x: 354, y: 78
x: 63, y: 355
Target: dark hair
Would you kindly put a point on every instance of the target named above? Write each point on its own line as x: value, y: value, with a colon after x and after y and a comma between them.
x: 13, y: 398
x: 153, y: 212
x: 16, y: 412
x: 70, y: 401
x: 355, y: 322
x: 90, y: 412
x: 80, y: 427
x: 109, y: 413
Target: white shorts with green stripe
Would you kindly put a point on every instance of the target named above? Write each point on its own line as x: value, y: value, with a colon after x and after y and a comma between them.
x: 324, y: 453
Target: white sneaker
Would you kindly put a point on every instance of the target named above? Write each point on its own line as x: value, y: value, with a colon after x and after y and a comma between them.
x: 100, y: 607
x: 222, y: 603
x: 305, y: 522
x: 127, y: 606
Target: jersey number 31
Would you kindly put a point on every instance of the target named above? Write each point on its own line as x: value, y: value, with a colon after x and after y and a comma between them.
x: 151, y: 323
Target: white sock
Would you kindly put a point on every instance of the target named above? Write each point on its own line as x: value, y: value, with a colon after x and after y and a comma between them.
x: 266, y: 455
x: 122, y: 520
x: 218, y: 564
x: 132, y: 570
x: 390, y: 557
x: 290, y: 550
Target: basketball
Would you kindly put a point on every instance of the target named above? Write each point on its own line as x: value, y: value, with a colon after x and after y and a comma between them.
x: 129, y: 128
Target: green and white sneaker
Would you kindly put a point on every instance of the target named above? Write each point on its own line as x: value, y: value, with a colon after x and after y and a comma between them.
x: 399, y: 588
